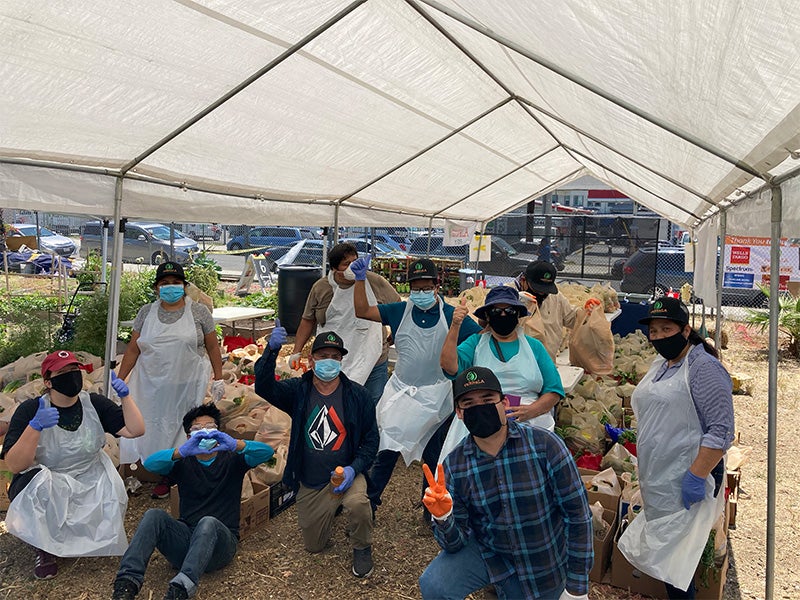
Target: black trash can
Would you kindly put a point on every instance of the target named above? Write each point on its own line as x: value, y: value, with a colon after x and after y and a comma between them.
x: 294, y: 285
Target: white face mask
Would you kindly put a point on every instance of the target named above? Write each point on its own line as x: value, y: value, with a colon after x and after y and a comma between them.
x: 348, y: 274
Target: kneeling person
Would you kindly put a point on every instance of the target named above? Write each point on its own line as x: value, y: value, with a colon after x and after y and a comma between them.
x: 208, y: 468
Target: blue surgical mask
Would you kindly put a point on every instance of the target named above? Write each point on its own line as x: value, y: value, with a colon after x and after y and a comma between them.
x: 422, y: 300
x: 206, y: 443
x: 327, y: 369
x: 171, y: 293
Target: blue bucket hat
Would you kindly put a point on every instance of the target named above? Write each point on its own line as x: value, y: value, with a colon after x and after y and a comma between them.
x: 502, y: 294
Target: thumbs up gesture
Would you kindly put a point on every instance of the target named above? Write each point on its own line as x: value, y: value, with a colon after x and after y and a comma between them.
x: 278, y: 337
x: 437, y: 499
x: 461, y: 311
x: 45, y: 417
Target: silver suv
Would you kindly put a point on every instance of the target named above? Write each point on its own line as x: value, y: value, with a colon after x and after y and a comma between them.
x: 143, y: 242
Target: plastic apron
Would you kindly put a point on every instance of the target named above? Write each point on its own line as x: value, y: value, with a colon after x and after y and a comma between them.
x: 362, y: 338
x: 665, y: 540
x: 519, y: 375
x: 418, y: 397
x: 169, y: 379
x: 74, y: 506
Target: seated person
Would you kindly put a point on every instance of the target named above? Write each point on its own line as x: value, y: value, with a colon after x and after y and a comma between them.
x: 67, y: 499
x: 208, y: 468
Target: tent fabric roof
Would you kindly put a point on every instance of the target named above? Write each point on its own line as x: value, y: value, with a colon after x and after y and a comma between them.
x: 397, y: 111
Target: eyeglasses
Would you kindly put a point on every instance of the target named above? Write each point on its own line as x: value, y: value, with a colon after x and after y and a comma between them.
x: 496, y: 311
x: 465, y: 404
x: 198, y: 427
x: 430, y: 288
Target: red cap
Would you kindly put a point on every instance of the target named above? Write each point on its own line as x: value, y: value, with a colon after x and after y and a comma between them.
x: 58, y: 360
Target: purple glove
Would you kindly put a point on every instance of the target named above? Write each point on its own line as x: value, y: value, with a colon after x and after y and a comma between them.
x: 278, y: 337
x: 359, y: 267
x: 119, y: 386
x: 191, y: 447
x: 693, y: 489
x: 45, y: 417
x: 224, y: 441
x: 613, y: 432
x: 349, y: 476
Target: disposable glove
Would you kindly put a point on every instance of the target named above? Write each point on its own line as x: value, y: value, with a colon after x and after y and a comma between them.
x: 349, y: 476
x: 693, y: 489
x: 613, y: 432
x: 224, y: 441
x: 359, y: 267
x: 437, y: 499
x: 294, y: 361
x: 565, y: 595
x: 278, y: 337
x: 119, y: 386
x: 45, y: 417
x: 217, y: 390
x: 192, y: 447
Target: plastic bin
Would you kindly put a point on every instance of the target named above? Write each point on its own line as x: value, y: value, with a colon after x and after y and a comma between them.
x: 294, y: 285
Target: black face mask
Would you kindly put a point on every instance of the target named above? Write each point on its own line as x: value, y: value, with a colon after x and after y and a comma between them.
x: 670, y: 347
x: 482, y: 420
x: 539, y: 297
x: 69, y: 384
x: 504, y: 324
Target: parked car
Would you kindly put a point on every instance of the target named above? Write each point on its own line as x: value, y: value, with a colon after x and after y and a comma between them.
x: 143, y: 242
x: 48, y: 240
x: 379, y: 249
x: 309, y: 254
x: 268, y: 236
x: 198, y: 231
x: 505, y: 261
x: 654, y: 270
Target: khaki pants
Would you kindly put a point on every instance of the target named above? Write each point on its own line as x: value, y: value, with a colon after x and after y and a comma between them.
x: 316, y: 510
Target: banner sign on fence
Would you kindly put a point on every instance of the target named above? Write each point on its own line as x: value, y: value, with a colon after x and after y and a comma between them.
x: 747, y: 261
x: 459, y: 233
x: 480, y: 248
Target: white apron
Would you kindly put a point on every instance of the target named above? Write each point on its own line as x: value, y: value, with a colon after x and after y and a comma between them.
x: 418, y: 397
x: 363, y: 339
x: 665, y: 540
x: 169, y: 379
x: 74, y: 506
x: 519, y: 375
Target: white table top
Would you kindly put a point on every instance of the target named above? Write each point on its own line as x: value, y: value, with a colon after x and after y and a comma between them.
x: 570, y: 376
x: 229, y: 314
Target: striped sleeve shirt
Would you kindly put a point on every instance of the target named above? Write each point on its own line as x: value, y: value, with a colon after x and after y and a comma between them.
x: 526, y: 508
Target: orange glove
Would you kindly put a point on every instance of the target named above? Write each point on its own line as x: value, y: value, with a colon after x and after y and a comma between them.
x: 437, y: 499
x: 591, y: 303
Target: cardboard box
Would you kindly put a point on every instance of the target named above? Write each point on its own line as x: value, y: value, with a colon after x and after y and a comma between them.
x: 281, y: 497
x: 734, y: 479
x: 602, y: 548
x: 253, y: 512
x: 139, y: 472
x: 5, y: 481
x: 608, y: 501
x: 624, y: 575
x: 716, y: 583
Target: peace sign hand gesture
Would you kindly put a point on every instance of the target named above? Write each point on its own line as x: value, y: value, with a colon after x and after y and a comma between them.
x: 437, y: 499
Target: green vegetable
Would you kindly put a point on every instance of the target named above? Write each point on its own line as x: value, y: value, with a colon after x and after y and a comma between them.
x: 13, y: 386
x: 707, y: 564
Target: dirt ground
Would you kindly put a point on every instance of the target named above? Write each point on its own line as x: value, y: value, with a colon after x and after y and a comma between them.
x: 272, y: 563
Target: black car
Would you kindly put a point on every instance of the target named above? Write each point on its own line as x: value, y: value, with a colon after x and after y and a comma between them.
x: 505, y: 260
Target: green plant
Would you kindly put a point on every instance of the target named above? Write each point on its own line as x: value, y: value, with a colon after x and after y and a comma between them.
x: 91, y: 268
x: 261, y: 300
x: 788, y: 319
x: 27, y: 324
x: 204, y: 273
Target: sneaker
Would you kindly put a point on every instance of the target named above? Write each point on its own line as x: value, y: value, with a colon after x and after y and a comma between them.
x: 362, y: 562
x: 176, y: 591
x: 161, y: 490
x: 124, y: 589
x: 45, y: 567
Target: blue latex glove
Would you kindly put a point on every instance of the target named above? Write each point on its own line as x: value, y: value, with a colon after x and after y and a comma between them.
x: 693, y: 489
x: 278, y: 337
x: 359, y: 267
x: 45, y: 416
x: 349, y: 476
x: 119, y: 386
x: 224, y: 441
x: 613, y: 432
x: 191, y: 447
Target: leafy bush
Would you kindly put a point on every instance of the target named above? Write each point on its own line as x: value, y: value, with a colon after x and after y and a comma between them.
x: 27, y: 324
x: 261, y: 300
x: 788, y: 319
x: 204, y: 273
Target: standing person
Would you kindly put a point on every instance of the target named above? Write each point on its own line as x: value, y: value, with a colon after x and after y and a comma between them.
x: 509, y: 507
x: 416, y: 408
x: 539, y: 280
x: 209, y: 467
x: 66, y: 497
x: 172, y: 351
x: 544, y: 250
x: 333, y: 425
x: 684, y: 409
x: 329, y: 306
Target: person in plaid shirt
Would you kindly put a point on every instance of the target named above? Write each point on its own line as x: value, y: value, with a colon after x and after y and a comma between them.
x: 508, y: 506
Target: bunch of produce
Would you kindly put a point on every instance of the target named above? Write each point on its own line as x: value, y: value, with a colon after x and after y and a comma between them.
x: 578, y: 295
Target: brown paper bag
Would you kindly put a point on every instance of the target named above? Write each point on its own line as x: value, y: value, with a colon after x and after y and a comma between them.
x: 591, y: 345
x: 533, y: 325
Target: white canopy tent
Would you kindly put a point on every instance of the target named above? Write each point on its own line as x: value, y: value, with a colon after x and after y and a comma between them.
x: 386, y: 112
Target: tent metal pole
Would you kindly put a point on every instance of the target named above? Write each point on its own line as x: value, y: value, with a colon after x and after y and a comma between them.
x: 723, y: 231
x: 577, y: 80
x: 104, y: 253
x: 113, y: 293
x: 336, y: 224
x: 772, y: 389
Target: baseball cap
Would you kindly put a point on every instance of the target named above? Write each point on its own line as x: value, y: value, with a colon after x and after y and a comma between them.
x: 169, y: 268
x: 58, y: 360
x: 422, y: 268
x: 475, y: 378
x: 328, y: 339
x: 667, y: 308
x: 502, y: 294
x: 541, y: 277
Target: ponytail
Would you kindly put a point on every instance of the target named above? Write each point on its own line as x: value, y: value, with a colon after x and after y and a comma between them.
x: 695, y: 339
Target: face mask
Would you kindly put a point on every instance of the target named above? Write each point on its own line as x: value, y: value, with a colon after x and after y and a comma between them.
x: 206, y: 443
x: 482, y: 420
x: 505, y: 324
x: 670, y: 347
x: 348, y: 274
x: 422, y: 300
x: 69, y: 384
x: 540, y: 297
x: 327, y: 369
x: 171, y: 293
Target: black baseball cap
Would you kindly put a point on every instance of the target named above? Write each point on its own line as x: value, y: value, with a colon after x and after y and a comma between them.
x: 328, y: 339
x: 541, y: 277
x: 475, y: 378
x: 170, y: 268
x: 422, y: 268
x: 667, y: 308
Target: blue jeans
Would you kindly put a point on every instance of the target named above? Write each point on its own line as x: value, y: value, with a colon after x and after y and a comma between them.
x: 678, y: 594
x: 456, y: 575
x: 377, y: 380
x: 207, y: 547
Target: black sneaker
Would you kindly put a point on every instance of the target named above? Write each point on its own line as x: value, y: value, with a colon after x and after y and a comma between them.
x: 176, y: 591
x: 124, y: 589
x: 362, y: 562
